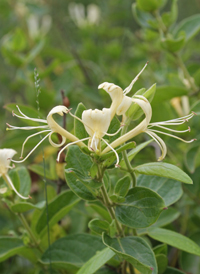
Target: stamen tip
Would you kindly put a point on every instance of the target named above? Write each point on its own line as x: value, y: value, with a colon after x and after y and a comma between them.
x: 152, y: 268
x: 147, y: 62
x: 21, y: 157
x: 117, y: 166
x: 194, y: 113
x: 13, y: 114
x: 194, y: 139
x: 164, y: 208
x: 189, y: 129
x: 30, y: 197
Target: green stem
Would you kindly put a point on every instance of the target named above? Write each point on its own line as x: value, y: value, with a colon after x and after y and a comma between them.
x: 131, y: 269
x: 127, y: 162
x: 124, y: 264
x: 108, y: 203
x: 27, y: 227
x: 164, y: 32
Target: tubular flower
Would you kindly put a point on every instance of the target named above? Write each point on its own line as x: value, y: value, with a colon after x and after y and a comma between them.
x: 96, y: 123
x: 120, y: 102
x: 6, y: 155
x: 147, y: 127
x: 48, y: 126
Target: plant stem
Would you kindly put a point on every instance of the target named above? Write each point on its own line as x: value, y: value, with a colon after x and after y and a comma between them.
x: 164, y: 33
x: 131, y: 269
x: 124, y: 264
x: 108, y: 203
x: 27, y: 227
x: 127, y: 162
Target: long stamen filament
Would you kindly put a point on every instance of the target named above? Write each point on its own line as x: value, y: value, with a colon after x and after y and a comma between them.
x: 128, y: 89
x: 10, y: 127
x: 160, y: 143
x: 170, y: 129
x: 31, y: 150
x: 116, y: 154
x: 10, y: 183
x: 58, y: 157
x: 31, y: 137
x: 173, y: 136
x: 28, y: 118
x: 176, y: 121
x: 113, y: 134
x: 94, y: 142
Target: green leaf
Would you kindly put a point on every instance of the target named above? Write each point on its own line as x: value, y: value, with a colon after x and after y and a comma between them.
x: 72, y: 252
x: 134, y: 110
x: 39, y: 169
x: 134, y: 250
x: 77, y: 160
x: 79, y: 128
x: 191, y: 157
x: 125, y: 146
x: 165, y: 93
x: 134, y: 152
x: 10, y: 246
x: 173, y: 45
x: 35, y: 51
x: 171, y: 270
x: 164, y: 170
x: 189, y: 262
x: 142, y: 18
x: 166, y: 217
x: 162, y: 263
x: 21, y: 179
x: 170, y: 17
x: 141, y: 208
x: 96, y: 262
x: 21, y: 207
x: 57, y: 209
x: 169, y: 189
x: 190, y: 25
x: 98, y: 226
x: 149, y: 5
x: 174, y: 239
x: 160, y: 249
x: 122, y: 186
x: 100, y: 209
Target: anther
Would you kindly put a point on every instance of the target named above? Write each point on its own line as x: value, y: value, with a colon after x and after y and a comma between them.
x: 13, y: 114
x: 189, y: 129
x: 29, y: 197
x: 117, y: 166
x: 164, y: 208
x: 194, y: 113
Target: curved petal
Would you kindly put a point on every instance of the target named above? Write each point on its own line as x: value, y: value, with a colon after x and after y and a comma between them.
x: 160, y: 143
x: 116, y: 94
x: 6, y: 155
x: 145, y: 106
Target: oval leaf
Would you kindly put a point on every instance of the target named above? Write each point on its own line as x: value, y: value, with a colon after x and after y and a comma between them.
x: 164, y: 170
x: 57, y: 209
x: 97, y: 261
x: 73, y: 251
x: 174, y: 239
x: 10, y: 246
x: 134, y: 250
x: 141, y: 208
x: 170, y: 190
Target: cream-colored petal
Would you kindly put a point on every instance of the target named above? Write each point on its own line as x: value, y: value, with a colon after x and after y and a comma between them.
x: 116, y: 94
x: 145, y: 106
x: 55, y: 127
x: 124, y: 106
x: 6, y: 155
x: 96, y: 121
x: 3, y: 190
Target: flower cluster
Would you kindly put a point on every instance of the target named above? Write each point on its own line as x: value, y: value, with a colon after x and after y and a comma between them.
x: 97, y: 122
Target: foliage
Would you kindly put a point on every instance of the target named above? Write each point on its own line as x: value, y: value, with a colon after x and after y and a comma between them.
x: 100, y: 209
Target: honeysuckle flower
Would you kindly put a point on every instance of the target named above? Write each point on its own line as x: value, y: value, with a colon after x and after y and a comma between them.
x: 48, y: 126
x: 120, y: 102
x: 147, y: 127
x: 6, y: 155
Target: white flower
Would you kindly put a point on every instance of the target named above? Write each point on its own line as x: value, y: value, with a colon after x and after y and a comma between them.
x: 48, y: 126
x: 6, y: 155
x: 121, y: 102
